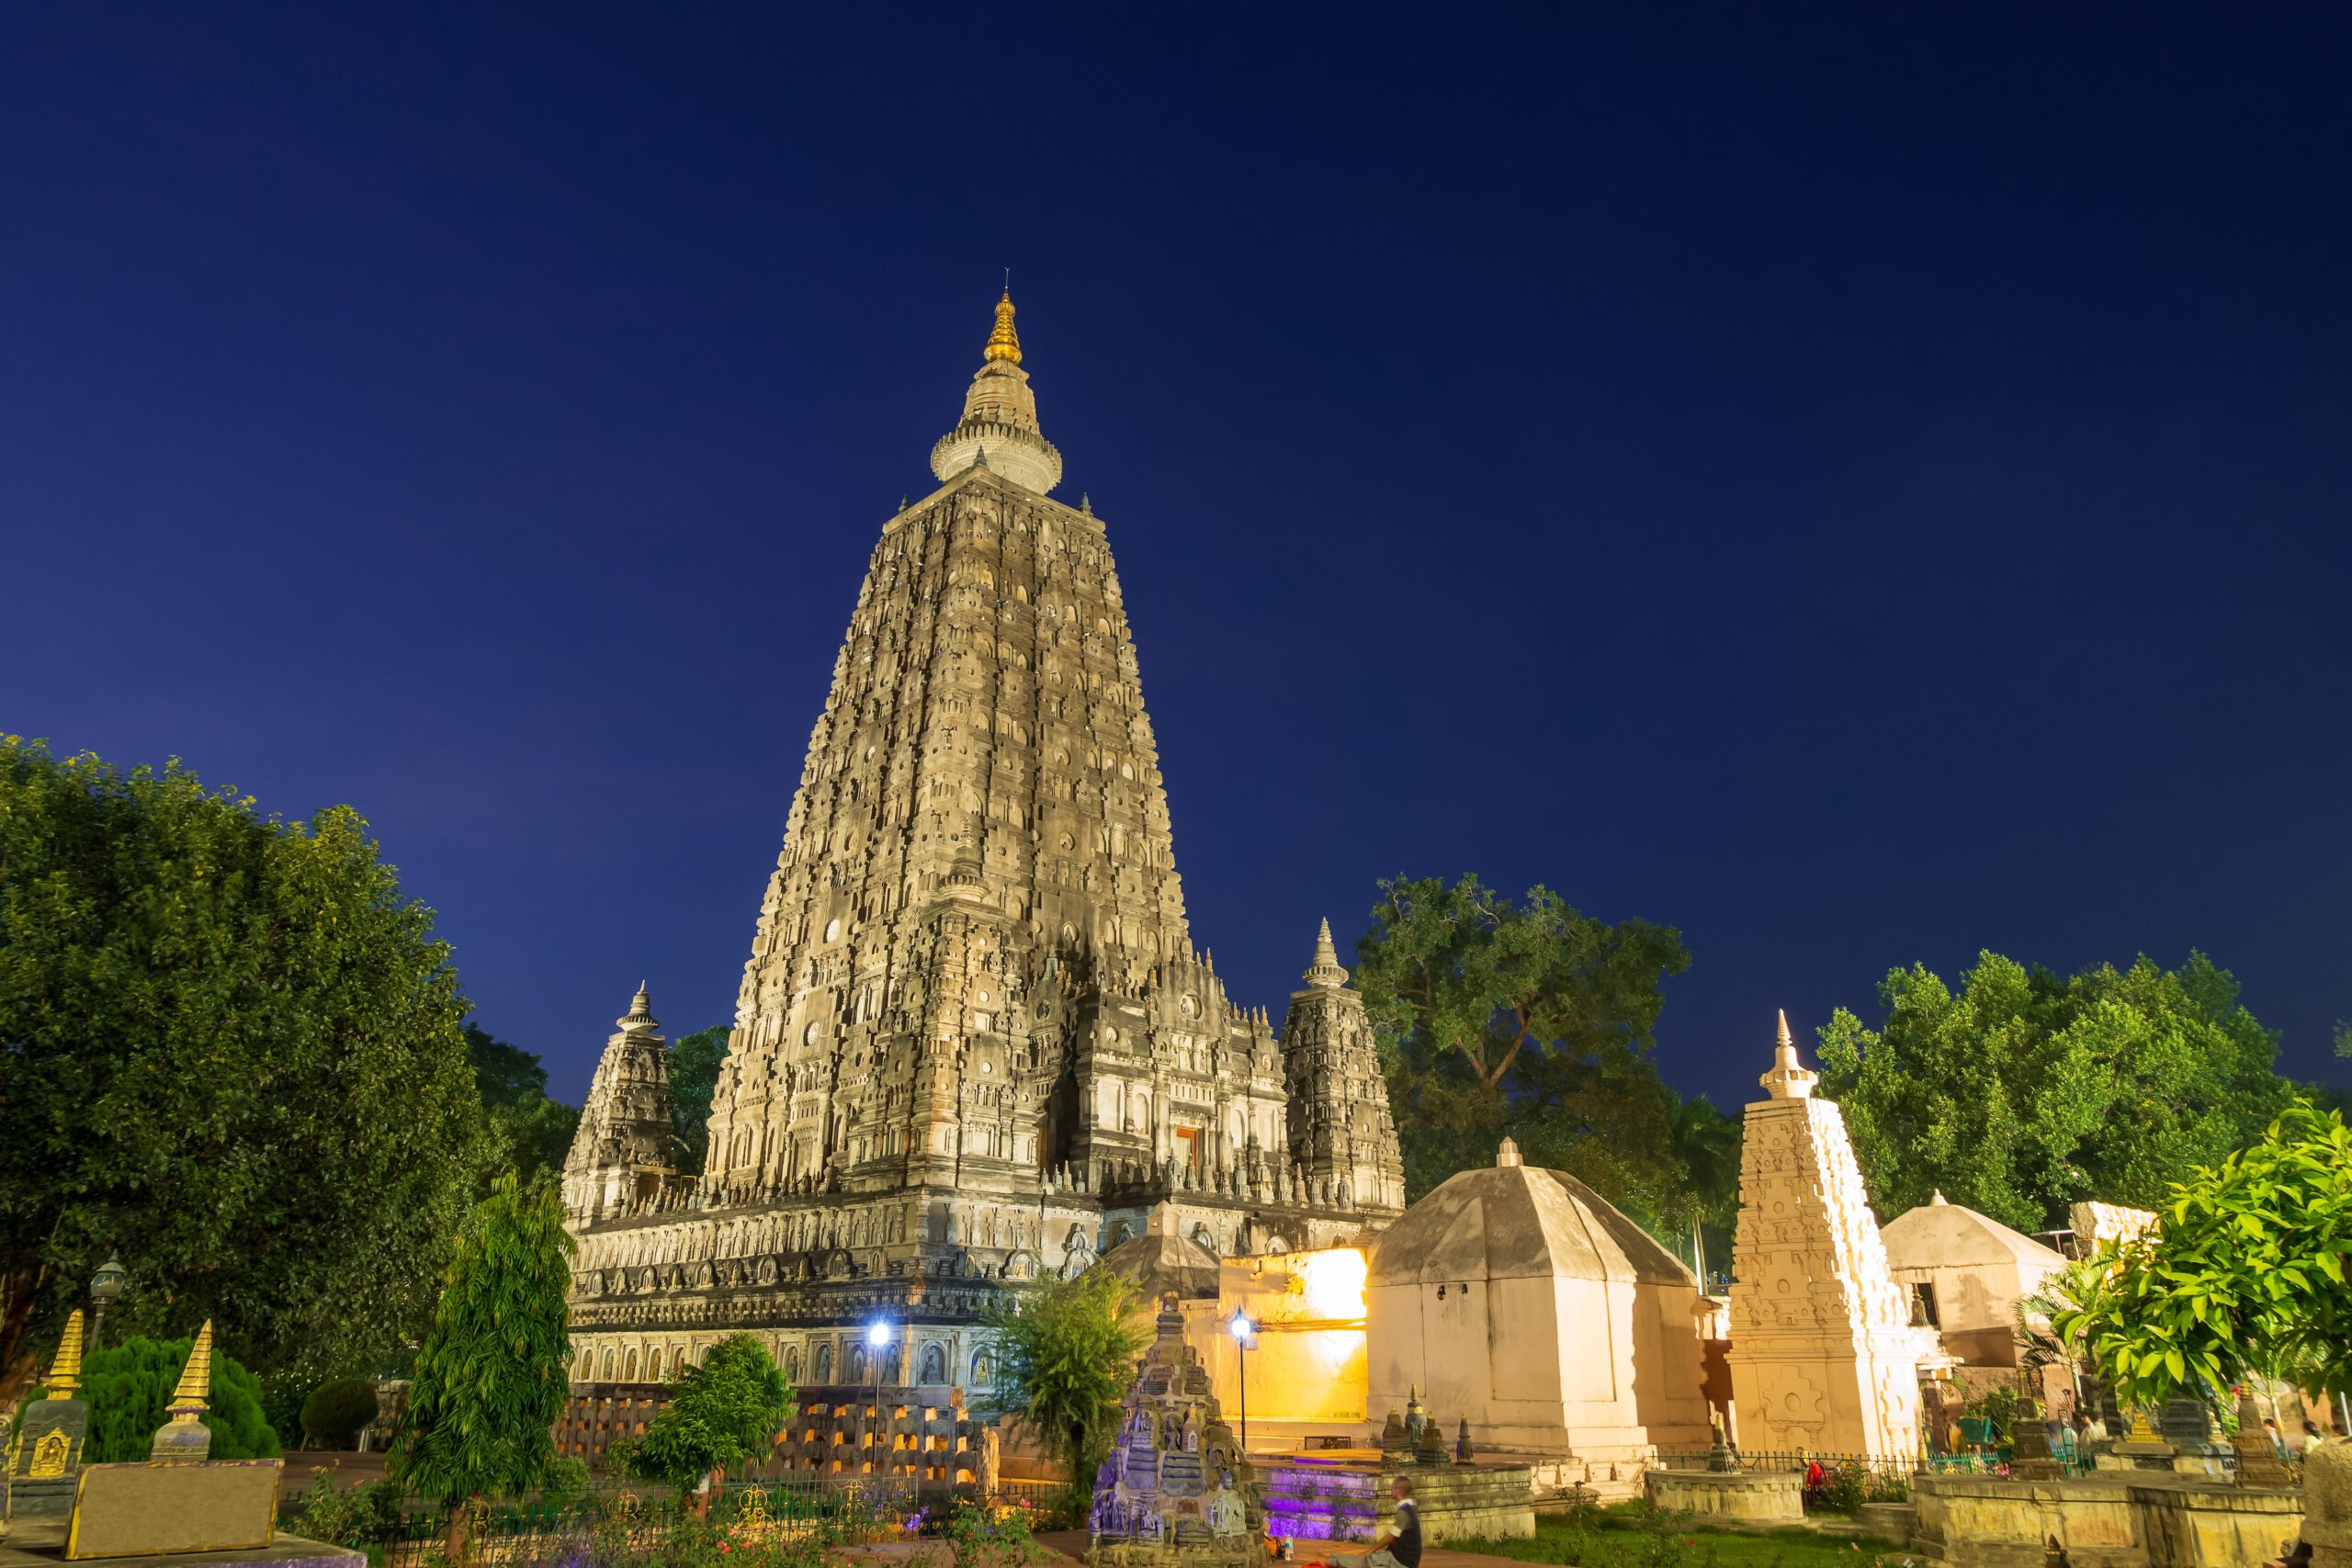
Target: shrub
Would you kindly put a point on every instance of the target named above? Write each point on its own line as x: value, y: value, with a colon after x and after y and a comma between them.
x: 368, y: 1515
x: 338, y: 1412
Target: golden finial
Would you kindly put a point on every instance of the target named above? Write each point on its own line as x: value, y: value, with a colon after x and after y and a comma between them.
x: 1004, y: 343
x: 195, y: 1382
x: 66, y: 1373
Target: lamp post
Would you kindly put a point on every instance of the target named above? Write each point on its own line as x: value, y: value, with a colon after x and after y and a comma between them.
x: 1243, y: 1332
x: 105, y: 1285
x: 877, y: 1334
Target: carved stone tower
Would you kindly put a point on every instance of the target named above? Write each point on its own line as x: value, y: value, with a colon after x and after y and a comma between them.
x: 1341, y: 1131
x: 1820, y: 1355
x: 627, y: 1145
x: 973, y: 1039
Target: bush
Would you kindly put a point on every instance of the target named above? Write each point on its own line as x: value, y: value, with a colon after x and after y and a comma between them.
x: 338, y: 1412
x: 1998, y: 1404
x: 128, y: 1389
x: 366, y: 1515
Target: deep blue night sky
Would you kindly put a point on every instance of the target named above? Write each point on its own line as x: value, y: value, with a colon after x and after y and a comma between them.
x: 1861, y: 484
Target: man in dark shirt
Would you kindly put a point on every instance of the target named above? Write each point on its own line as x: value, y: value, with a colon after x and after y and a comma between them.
x: 1401, y: 1547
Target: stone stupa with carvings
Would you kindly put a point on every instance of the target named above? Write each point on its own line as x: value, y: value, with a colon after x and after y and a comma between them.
x: 45, y: 1456
x: 1177, y: 1487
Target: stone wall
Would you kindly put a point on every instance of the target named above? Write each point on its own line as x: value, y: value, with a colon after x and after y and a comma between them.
x: 2112, y: 1520
x: 910, y: 1432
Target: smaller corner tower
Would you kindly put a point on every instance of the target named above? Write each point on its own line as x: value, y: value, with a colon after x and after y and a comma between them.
x: 1341, y: 1131
x: 1821, y: 1355
x: 625, y: 1155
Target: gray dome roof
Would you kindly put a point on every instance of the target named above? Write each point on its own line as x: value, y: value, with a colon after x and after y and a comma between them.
x: 1518, y: 1222
x: 1160, y: 1264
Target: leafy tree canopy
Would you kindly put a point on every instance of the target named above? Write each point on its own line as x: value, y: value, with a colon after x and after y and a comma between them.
x: 720, y: 1415
x: 1536, y: 1020
x: 528, y: 1132
x: 694, y: 1061
x: 2023, y: 1092
x: 2247, y: 1273
x: 229, y: 1048
x: 129, y: 1386
x: 492, y: 1375
x: 1065, y: 1349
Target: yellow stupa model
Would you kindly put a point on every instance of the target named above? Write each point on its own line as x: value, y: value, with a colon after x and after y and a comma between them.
x: 185, y: 1439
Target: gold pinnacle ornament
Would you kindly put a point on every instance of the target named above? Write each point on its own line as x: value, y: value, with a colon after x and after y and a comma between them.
x: 185, y: 1439
x: 1003, y: 343
x: 66, y: 1373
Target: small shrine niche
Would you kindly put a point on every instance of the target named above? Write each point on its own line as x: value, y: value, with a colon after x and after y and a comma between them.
x: 1177, y: 1481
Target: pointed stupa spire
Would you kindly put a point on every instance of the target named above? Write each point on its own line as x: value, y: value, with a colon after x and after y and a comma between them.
x: 66, y: 1373
x: 196, y: 1377
x: 1003, y: 343
x: 640, y: 1010
x: 1325, y: 970
x: 185, y: 1439
x: 1788, y: 1080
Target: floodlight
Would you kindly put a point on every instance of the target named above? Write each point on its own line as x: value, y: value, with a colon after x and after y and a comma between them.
x: 877, y: 1334
x: 1242, y: 1326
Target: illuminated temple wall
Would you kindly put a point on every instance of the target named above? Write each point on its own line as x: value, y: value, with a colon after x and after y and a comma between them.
x: 1308, y: 1369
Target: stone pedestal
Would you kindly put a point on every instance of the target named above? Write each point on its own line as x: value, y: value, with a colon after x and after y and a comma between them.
x: 2327, y: 1504
x: 1981, y: 1521
x: 1462, y: 1503
x: 1771, y: 1498
x: 2214, y: 1527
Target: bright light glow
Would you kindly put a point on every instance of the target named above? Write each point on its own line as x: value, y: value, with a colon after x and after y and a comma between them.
x: 877, y: 1334
x: 1242, y: 1327
x: 1331, y: 1280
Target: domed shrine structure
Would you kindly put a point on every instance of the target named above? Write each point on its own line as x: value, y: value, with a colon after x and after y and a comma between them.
x: 1526, y: 1302
x: 1177, y: 1487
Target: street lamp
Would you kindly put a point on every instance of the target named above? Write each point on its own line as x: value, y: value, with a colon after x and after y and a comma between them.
x: 105, y: 1285
x: 1243, y: 1332
x: 877, y: 1334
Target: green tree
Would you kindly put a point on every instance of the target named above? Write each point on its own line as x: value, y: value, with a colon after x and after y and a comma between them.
x: 491, y: 1377
x: 694, y: 1062
x: 1065, y: 1349
x: 720, y: 1415
x: 1533, y: 1019
x: 128, y: 1385
x: 528, y: 1131
x: 2023, y: 1092
x: 229, y: 1048
x: 2246, y: 1274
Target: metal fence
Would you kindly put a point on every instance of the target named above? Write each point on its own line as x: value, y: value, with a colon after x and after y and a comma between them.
x: 1991, y: 1461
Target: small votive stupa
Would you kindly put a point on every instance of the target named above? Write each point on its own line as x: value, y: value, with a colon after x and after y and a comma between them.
x: 1177, y: 1487
x: 1821, y: 1354
x: 185, y: 1439
x: 46, y: 1455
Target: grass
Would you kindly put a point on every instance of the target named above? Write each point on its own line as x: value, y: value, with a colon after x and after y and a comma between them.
x: 1623, y: 1537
